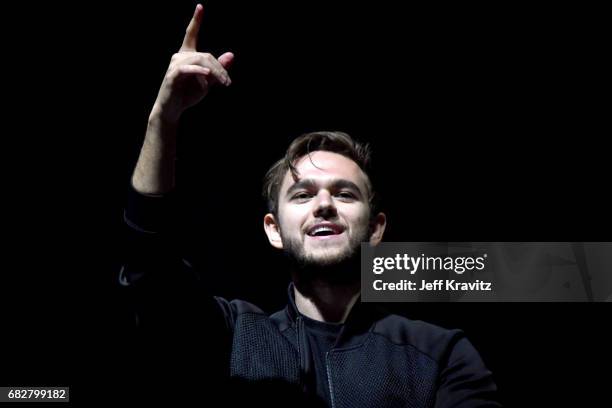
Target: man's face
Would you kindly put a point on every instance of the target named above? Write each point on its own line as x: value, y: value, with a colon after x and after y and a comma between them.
x: 324, y: 215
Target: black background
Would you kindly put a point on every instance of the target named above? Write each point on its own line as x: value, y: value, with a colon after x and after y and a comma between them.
x: 486, y: 123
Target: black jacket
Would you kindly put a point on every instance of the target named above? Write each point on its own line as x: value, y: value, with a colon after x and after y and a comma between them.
x: 379, y: 359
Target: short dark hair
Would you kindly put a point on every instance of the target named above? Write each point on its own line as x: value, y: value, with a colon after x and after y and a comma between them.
x: 331, y: 141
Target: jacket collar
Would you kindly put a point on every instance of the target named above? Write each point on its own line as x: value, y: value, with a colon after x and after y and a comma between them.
x: 360, y: 321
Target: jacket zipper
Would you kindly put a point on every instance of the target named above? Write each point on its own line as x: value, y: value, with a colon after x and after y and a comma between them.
x: 329, y: 381
x: 299, y: 330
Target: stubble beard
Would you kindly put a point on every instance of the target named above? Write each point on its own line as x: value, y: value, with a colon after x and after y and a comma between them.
x: 333, y: 266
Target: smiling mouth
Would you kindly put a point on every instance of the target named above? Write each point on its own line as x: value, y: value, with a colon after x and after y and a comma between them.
x: 325, y: 230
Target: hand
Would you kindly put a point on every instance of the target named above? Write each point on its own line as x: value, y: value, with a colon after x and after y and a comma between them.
x: 190, y: 74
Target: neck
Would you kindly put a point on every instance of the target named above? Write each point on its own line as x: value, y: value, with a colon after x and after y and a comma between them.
x: 325, y: 301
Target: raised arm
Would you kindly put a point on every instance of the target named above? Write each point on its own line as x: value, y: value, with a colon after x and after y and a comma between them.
x: 189, y: 76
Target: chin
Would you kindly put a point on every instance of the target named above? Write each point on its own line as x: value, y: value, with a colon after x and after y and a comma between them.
x: 329, y: 257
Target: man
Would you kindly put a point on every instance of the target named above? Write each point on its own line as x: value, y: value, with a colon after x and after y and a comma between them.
x: 326, y: 348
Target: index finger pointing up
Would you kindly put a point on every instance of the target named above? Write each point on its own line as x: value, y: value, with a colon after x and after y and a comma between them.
x: 190, y: 41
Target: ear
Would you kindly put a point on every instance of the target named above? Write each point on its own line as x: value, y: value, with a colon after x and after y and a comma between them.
x: 273, y: 231
x: 377, y: 228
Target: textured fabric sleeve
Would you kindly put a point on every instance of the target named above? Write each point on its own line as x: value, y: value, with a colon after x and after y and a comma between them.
x: 465, y: 381
x: 164, y: 291
x: 179, y: 327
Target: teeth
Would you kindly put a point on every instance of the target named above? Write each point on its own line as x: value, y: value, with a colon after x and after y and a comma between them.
x: 319, y: 230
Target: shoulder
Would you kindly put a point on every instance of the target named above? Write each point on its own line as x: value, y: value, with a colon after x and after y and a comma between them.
x: 238, y: 306
x: 429, y: 339
x: 235, y: 309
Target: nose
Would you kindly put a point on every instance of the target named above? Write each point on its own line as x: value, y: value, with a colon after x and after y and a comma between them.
x: 324, y: 206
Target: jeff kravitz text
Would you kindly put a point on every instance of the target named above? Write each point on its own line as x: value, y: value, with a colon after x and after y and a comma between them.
x: 436, y: 285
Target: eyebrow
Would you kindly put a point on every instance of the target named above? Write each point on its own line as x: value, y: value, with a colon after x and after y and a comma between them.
x: 334, y: 183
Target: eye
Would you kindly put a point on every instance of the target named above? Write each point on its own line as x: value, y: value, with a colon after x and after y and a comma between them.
x: 346, y: 195
x: 301, y: 196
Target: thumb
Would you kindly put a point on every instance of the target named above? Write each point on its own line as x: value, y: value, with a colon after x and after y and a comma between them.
x: 226, y: 59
